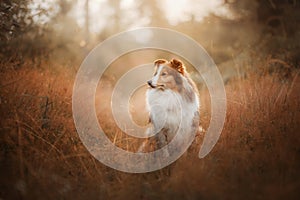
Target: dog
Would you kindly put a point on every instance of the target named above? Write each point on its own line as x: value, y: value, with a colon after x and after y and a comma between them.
x: 172, y: 100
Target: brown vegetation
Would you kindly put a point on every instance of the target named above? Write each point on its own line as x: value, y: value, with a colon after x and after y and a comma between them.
x: 42, y: 157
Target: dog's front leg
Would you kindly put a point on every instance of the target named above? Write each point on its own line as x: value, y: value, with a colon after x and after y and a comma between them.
x: 146, y: 145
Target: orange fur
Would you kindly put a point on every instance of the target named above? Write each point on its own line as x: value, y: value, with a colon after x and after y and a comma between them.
x: 177, y: 65
x: 159, y: 61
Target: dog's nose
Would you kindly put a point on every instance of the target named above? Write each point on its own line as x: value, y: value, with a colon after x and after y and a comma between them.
x: 150, y: 83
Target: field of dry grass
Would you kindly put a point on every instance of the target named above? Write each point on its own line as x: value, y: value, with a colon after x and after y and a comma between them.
x: 42, y: 157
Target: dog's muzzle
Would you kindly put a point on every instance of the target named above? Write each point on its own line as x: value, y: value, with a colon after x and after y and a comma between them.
x: 150, y: 84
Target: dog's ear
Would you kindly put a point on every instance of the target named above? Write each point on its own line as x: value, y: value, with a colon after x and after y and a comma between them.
x: 159, y: 61
x: 177, y: 65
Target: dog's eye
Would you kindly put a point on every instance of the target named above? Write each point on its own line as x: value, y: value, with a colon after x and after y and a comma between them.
x: 164, y: 73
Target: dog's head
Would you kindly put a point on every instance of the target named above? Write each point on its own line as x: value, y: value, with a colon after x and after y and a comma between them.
x: 167, y: 74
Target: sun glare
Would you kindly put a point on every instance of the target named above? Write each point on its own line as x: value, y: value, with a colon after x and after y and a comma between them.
x: 184, y: 10
x: 175, y: 12
x: 102, y: 14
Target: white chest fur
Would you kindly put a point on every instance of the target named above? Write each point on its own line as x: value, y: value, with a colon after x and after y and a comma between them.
x: 169, y: 110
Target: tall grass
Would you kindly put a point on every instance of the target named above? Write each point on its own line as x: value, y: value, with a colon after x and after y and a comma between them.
x: 42, y: 157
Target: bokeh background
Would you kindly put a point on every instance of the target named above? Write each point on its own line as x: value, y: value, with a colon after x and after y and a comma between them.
x: 255, y: 45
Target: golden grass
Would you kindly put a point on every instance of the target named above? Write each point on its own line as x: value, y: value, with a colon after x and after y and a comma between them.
x: 42, y: 157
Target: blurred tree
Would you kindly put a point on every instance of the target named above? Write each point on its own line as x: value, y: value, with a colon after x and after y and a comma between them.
x: 281, y: 30
x: 152, y: 8
x: 276, y: 23
x: 87, y: 22
x: 15, y: 19
x: 18, y: 30
x: 65, y: 6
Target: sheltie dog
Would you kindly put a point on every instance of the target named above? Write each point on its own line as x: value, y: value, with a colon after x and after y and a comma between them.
x: 173, y: 104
